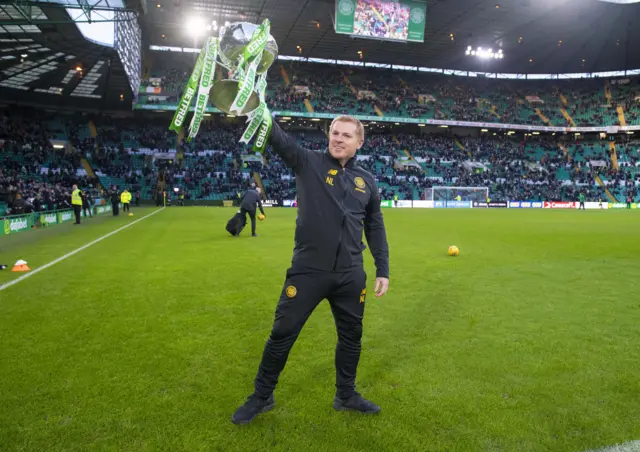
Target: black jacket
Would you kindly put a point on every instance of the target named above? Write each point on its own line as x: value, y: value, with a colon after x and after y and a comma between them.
x: 335, y: 204
x: 249, y: 201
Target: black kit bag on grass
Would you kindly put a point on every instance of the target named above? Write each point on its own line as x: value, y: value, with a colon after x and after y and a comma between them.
x: 236, y: 224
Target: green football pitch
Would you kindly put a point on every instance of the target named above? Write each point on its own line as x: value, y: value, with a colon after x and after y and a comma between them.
x: 149, y: 339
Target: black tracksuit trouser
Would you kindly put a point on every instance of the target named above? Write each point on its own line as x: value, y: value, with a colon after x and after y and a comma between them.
x: 252, y: 215
x: 301, y: 293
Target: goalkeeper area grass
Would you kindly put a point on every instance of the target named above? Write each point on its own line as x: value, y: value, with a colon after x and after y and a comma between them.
x: 150, y: 339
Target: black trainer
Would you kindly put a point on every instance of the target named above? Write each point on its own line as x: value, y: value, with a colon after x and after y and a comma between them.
x: 356, y: 403
x: 251, y: 408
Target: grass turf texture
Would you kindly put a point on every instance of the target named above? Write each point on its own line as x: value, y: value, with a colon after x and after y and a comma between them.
x: 150, y: 339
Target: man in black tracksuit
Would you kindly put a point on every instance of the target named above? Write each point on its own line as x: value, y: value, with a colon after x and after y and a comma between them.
x: 248, y: 206
x: 115, y: 199
x: 337, y: 199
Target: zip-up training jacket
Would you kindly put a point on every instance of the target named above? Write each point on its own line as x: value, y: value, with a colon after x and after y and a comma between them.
x: 335, y: 204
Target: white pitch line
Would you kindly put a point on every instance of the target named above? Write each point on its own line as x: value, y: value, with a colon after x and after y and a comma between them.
x: 632, y: 446
x: 60, y: 259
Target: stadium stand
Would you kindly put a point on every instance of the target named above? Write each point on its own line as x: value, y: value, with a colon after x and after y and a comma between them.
x: 374, y: 91
x: 213, y: 167
x: 35, y: 176
x: 128, y: 151
x: 514, y: 167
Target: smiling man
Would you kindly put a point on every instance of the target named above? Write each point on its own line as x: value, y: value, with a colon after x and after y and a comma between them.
x: 337, y: 201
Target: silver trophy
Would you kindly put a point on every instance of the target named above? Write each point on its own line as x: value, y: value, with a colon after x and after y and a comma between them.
x: 234, y: 39
x: 247, y: 51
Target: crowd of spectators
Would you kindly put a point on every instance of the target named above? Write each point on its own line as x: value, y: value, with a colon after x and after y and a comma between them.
x: 427, y: 95
x: 512, y: 168
x: 43, y: 154
x: 139, y: 153
x: 34, y: 176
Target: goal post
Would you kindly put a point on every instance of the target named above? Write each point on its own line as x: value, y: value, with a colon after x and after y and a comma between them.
x: 479, y: 194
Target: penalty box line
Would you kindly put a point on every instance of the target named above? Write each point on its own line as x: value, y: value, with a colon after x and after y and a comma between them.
x: 60, y: 259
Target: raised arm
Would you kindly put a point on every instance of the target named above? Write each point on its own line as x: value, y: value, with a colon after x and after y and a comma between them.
x: 294, y: 155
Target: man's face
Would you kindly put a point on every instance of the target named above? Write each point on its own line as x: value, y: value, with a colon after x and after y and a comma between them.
x: 344, y: 140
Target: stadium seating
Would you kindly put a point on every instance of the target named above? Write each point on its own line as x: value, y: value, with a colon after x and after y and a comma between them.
x: 213, y: 167
x: 137, y: 152
x: 33, y: 174
x: 383, y: 92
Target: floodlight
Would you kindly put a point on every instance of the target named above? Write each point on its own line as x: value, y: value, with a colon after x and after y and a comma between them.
x: 484, y: 54
x: 195, y: 26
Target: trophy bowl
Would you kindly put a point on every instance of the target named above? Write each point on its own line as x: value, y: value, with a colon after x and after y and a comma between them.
x: 224, y: 92
x: 233, y: 40
x: 235, y: 37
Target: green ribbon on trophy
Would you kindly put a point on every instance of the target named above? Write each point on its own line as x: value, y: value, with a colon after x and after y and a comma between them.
x: 201, y: 78
x: 185, y: 101
x: 246, y: 58
x: 265, y: 131
x: 260, y: 117
x: 248, y: 65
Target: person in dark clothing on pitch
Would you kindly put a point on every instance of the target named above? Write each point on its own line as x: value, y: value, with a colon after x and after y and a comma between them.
x: 86, y: 204
x: 337, y: 200
x: 248, y: 204
x: 115, y: 199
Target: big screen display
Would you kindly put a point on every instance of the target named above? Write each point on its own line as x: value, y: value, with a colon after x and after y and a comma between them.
x: 395, y: 20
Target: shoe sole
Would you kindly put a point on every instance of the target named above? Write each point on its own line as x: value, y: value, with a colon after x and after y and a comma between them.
x: 264, y: 410
x: 344, y: 408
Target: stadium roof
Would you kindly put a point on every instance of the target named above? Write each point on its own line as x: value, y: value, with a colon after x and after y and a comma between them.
x: 46, y: 60
x: 536, y: 36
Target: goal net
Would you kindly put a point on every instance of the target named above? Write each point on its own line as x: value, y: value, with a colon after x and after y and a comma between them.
x: 479, y: 194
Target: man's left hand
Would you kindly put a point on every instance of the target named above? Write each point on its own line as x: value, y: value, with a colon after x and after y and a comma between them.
x: 382, y: 285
